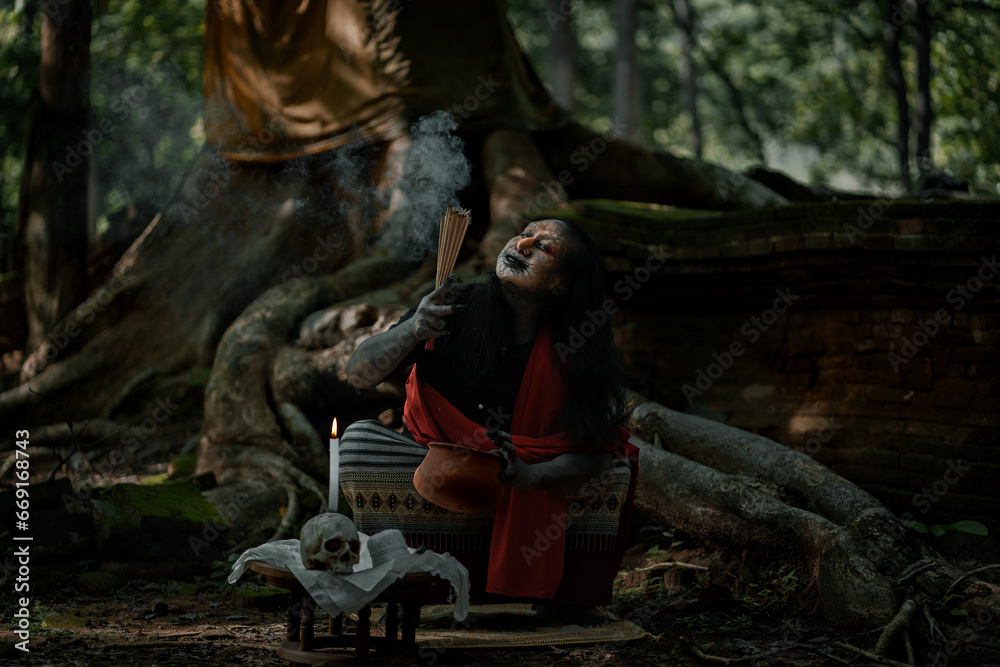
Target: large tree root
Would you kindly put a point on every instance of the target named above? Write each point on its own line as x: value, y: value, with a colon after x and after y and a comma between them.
x: 238, y: 407
x: 736, y: 491
x: 521, y: 185
x: 254, y: 424
x: 600, y: 165
x: 231, y: 232
x: 898, y: 625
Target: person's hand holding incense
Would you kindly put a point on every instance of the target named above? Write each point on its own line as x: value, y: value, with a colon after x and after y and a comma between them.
x: 426, y: 321
x: 377, y: 357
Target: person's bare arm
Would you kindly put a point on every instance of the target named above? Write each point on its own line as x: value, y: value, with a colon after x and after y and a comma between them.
x: 570, y: 472
x: 377, y: 357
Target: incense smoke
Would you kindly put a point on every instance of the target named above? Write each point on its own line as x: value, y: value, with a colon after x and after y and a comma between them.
x: 435, y: 170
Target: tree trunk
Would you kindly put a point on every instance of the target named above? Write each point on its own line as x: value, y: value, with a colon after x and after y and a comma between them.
x: 922, y: 102
x: 626, y: 81
x: 53, y: 215
x: 520, y: 184
x: 231, y: 277
x: 562, y: 71
x: 738, y: 105
x: 689, y: 76
x: 231, y: 233
x: 897, y: 81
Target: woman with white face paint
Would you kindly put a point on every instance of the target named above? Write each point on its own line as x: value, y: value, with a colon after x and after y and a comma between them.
x: 512, y: 370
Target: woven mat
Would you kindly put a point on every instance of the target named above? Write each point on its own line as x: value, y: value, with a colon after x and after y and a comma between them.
x: 511, y: 626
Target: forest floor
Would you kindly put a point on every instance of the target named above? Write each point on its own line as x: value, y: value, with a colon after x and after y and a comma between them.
x: 696, y: 607
x: 171, y: 623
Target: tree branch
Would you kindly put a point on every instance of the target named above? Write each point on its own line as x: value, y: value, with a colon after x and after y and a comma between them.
x: 976, y: 6
x: 736, y: 97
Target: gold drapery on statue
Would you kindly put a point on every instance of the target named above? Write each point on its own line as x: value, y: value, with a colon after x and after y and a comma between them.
x: 286, y: 78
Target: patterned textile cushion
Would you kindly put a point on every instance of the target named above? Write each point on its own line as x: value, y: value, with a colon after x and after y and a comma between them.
x: 376, y: 475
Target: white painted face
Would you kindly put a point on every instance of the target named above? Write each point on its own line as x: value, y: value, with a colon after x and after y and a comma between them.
x: 330, y: 542
x: 533, y: 261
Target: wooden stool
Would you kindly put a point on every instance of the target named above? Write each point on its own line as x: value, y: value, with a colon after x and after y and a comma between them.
x: 302, y: 645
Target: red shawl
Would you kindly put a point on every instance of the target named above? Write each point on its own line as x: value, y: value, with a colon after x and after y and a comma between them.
x: 529, y: 531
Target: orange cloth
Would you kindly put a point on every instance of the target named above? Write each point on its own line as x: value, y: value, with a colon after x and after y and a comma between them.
x: 529, y: 532
x: 285, y: 79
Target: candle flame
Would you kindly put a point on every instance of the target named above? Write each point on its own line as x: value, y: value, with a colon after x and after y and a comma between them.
x: 333, y: 429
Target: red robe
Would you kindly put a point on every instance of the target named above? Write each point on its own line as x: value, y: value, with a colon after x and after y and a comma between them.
x: 525, y: 519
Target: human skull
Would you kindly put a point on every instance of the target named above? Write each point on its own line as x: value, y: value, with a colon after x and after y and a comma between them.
x: 329, y: 542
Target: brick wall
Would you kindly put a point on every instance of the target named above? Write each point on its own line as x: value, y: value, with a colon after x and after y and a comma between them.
x: 879, y: 366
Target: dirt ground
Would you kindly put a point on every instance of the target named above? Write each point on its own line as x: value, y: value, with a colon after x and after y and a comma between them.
x: 206, y: 621
x: 697, y: 609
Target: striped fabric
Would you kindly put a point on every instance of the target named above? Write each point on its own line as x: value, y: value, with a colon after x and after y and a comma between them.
x: 376, y: 475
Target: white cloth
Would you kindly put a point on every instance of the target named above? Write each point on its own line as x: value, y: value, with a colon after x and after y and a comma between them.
x: 346, y: 593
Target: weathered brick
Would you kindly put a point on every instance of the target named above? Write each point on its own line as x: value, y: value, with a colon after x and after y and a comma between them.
x: 982, y: 477
x: 880, y: 331
x: 967, y: 353
x: 867, y: 345
x: 950, y: 384
x: 917, y: 381
x: 798, y: 334
x: 838, y: 346
x: 910, y: 226
x: 797, y: 365
x: 788, y: 243
x: 905, y: 480
x: 918, y: 365
x: 985, y: 402
x: 901, y: 315
x: 834, y: 361
x: 807, y: 348
x: 878, y: 242
x: 885, y: 394
x: 872, y: 315
x: 967, y: 504
x: 958, y: 337
x: 917, y: 462
x: 922, y: 399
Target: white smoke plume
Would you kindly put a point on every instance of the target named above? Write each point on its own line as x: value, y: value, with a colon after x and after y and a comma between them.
x: 434, y: 171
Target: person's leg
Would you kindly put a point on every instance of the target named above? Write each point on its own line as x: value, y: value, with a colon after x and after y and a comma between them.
x: 377, y: 466
x: 595, y: 542
x: 376, y: 474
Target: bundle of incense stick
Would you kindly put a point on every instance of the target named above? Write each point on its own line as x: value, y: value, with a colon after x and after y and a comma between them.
x: 454, y: 223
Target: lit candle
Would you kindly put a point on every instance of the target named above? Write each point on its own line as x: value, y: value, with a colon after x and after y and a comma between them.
x: 334, y: 494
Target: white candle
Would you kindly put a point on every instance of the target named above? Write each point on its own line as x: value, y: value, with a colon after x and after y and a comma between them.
x: 334, y: 493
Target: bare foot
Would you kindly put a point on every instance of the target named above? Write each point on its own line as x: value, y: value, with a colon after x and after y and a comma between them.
x: 571, y: 614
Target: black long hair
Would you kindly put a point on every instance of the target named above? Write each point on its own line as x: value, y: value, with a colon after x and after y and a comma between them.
x: 582, y: 343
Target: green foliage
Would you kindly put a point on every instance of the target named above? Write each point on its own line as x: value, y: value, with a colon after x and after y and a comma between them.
x: 19, y: 60
x: 937, y: 530
x: 222, y: 568
x: 145, y: 86
x: 814, y: 94
x: 146, y: 79
x: 758, y: 592
x: 948, y: 605
x: 810, y: 76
